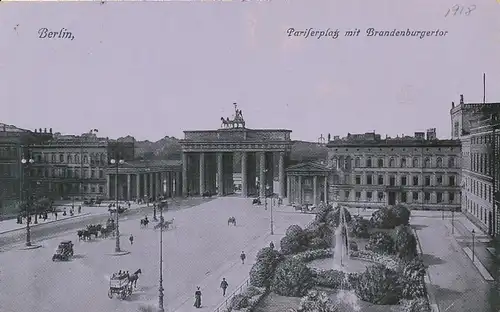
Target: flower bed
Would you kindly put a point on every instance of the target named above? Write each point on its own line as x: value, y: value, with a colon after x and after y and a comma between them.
x: 386, y: 260
x: 311, y: 255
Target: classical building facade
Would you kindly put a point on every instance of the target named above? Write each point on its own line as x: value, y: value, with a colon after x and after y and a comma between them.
x: 423, y: 173
x: 15, y: 179
x: 308, y: 183
x: 209, y: 158
x: 146, y: 180
x: 479, y: 136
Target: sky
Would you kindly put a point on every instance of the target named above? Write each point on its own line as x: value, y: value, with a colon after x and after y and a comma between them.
x: 155, y: 69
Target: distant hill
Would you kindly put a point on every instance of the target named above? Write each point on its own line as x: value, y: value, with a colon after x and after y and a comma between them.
x: 170, y: 148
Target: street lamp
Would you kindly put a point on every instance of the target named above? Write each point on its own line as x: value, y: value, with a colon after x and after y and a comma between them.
x: 26, y: 162
x: 453, y: 221
x: 473, y: 251
x: 160, y: 289
x: 117, y: 163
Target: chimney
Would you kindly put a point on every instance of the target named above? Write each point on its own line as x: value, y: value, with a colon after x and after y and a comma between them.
x: 50, y: 130
x: 4, y: 128
x: 461, y: 99
x: 40, y: 130
x: 45, y: 130
x: 452, y: 104
x: 35, y: 130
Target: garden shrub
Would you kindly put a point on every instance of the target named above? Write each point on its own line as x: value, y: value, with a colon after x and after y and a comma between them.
x: 263, y: 269
x: 329, y: 278
x: 353, y: 246
x: 294, y: 241
x: 416, y: 305
x: 381, y: 243
x: 311, y: 255
x: 401, y: 214
x: 316, y: 301
x: 292, y: 278
x: 359, y: 227
x: 383, y: 218
x: 412, y: 279
x: 378, y: 285
x: 238, y: 302
x: 252, y: 291
x: 406, y: 243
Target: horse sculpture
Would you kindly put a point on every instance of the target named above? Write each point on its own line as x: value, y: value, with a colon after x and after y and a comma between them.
x: 231, y: 220
x: 132, y: 279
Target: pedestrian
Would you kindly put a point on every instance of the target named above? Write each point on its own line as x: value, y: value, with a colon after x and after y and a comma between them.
x: 131, y: 239
x: 224, y: 285
x: 55, y: 214
x: 243, y: 257
x: 80, y: 209
x: 128, y: 205
x: 197, y: 298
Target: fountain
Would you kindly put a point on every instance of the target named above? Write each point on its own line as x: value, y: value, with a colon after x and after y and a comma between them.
x: 345, y: 297
x: 341, y: 241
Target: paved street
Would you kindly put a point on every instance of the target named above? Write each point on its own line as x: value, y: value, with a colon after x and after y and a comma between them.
x: 90, y: 215
x: 197, y: 252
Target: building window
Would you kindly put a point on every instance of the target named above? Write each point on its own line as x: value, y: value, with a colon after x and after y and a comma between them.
x: 415, y: 162
x: 358, y: 195
x: 369, y: 179
x: 439, y: 180
x: 92, y: 174
x: 357, y: 162
x: 451, y: 197
x: 427, y: 181
x: 451, y: 180
x: 392, y: 162
x: 101, y: 174
x: 451, y: 162
x: 92, y: 188
x: 403, y: 197
x: 415, y: 180
x: 427, y: 196
x: 336, y: 179
x: 380, y: 162
x: 77, y: 159
x: 70, y: 159
x: 439, y: 197
x: 347, y: 179
x: 369, y: 162
x: 70, y: 173
x: 427, y: 162
x: 403, y: 180
x: 85, y: 173
x: 380, y: 179
x: 346, y: 195
x: 415, y: 196
x: 369, y: 196
x: 403, y: 162
x: 358, y: 179
x: 439, y: 162
x: 85, y: 159
x: 380, y: 196
x: 392, y: 180
x: 101, y: 189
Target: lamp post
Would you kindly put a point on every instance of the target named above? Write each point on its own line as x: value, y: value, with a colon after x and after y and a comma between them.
x: 117, y: 163
x: 160, y: 289
x: 473, y: 250
x: 26, y: 162
x: 453, y: 221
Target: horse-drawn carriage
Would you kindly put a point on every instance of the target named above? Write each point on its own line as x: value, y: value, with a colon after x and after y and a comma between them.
x: 206, y: 194
x: 257, y: 201
x: 120, y: 285
x: 64, y: 251
x: 164, y: 224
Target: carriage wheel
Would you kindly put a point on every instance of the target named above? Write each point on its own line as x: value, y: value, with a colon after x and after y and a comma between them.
x: 123, y: 294
x: 110, y: 294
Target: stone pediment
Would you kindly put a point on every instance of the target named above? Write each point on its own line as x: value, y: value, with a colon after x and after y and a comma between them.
x: 309, y: 167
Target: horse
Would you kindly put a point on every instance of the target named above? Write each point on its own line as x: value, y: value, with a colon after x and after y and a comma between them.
x: 84, y: 234
x: 144, y: 222
x: 132, y: 279
x: 94, y: 229
x: 164, y: 224
x: 231, y: 220
x: 207, y: 194
x: 105, y: 231
x: 256, y: 201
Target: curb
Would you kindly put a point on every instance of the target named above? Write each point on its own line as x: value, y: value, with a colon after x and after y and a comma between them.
x: 34, y: 246
x: 52, y: 221
x: 427, y: 280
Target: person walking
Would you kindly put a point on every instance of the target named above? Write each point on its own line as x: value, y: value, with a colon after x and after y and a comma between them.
x: 79, y: 209
x: 243, y: 257
x: 131, y: 239
x: 224, y: 285
x: 197, y: 298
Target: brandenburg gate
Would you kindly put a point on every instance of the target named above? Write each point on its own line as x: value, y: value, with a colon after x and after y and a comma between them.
x: 213, y: 159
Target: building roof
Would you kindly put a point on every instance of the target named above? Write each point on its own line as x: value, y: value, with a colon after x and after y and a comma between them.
x: 401, y: 142
x: 152, y: 163
x: 11, y: 128
x: 311, y: 166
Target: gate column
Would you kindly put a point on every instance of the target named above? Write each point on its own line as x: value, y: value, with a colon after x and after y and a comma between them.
x: 202, y: 173
x: 244, y: 178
